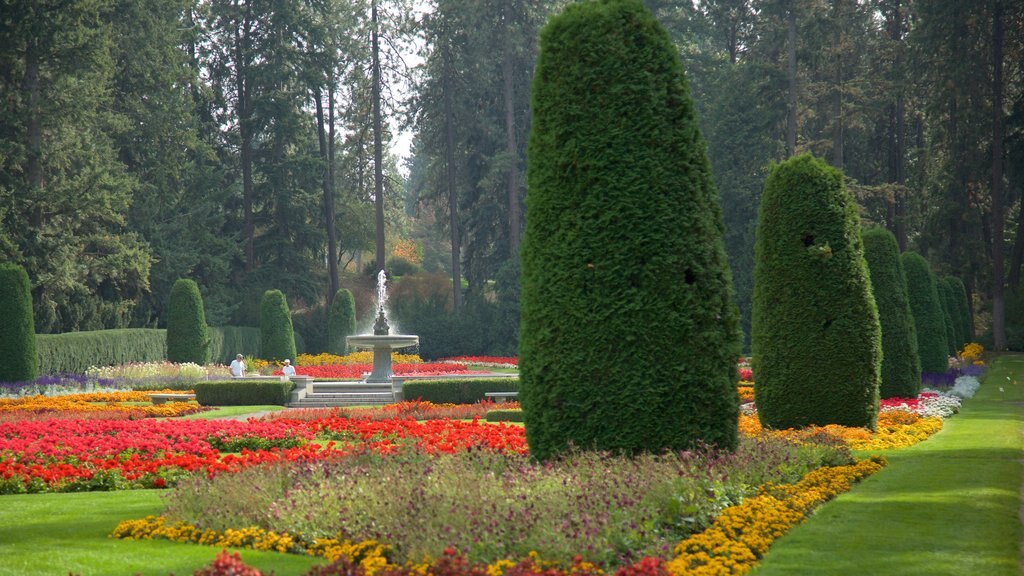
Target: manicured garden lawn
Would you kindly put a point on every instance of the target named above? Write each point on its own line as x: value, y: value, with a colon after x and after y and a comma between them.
x: 946, y: 506
x: 231, y: 412
x: 54, y: 534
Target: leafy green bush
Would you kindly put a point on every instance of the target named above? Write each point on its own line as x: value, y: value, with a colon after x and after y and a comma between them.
x: 276, y: 333
x: 816, y: 336
x: 623, y: 263
x: 928, y: 316
x: 187, y: 337
x: 243, y: 392
x: 227, y: 341
x: 504, y: 415
x: 19, y: 360
x: 76, y: 351
x: 963, y: 309
x: 342, y: 322
x: 457, y: 390
x: 901, y: 366
x: 950, y: 315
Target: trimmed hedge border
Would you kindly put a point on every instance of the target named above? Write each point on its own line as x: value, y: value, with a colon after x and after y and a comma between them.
x: 74, y: 352
x: 457, y: 390
x: 242, y: 393
x: 504, y: 416
x: 226, y: 341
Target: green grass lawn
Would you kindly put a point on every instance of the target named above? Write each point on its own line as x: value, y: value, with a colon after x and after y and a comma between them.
x: 57, y: 534
x: 231, y: 412
x: 950, y: 505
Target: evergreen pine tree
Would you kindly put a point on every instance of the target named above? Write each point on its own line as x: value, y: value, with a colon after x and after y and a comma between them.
x: 341, y: 322
x: 188, y: 339
x: 901, y: 366
x: 277, y: 336
x: 816, y: 336
x: 928, y: 315
x: 963, y: 309
x: 950, y: 314
x: 17, y: 328
x: 629, y: 337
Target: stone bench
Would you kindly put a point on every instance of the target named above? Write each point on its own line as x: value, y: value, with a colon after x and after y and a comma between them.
x: 500, y: 397
x: 164, y: 398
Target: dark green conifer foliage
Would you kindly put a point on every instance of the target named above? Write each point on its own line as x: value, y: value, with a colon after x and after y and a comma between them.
x: 927, y: 310
x: 188, y: 339
x: 963, y: 309
x: 276, y: 332
x: 629, y: 338
x: 950, y: 315
x: 18, y: 359
x: 901, y: 366
x: 342, y: 322
x: 816, y: 337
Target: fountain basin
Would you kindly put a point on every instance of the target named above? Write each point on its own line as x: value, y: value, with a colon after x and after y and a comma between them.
x: 382, y: 344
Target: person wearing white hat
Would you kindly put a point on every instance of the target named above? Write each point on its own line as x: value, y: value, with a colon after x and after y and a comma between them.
x: 288, y: 369
x: 237, y: 367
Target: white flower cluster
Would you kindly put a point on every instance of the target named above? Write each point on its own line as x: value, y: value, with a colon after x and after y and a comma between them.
x: 145, y: 370
x: 965, y: 387
x: 943, y: 405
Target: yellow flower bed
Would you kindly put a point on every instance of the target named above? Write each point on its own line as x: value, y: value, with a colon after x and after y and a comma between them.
x: 971, y: 352
x: 100, y: 401
x: 741, y: 534
x: 371, y: 555
x: 746, y: 393
x: 364, y: 357
x: 896, y: 429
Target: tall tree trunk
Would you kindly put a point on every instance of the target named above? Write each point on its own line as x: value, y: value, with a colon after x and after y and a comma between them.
x: 998, y: 208
x: 243, y: 112
x: 453, y: 200
x: 511, y: 146
x: 378, y: 138
x: 328, y: 203
x: 791, y: 74
x: 837, y: 135
x: 897, y: 127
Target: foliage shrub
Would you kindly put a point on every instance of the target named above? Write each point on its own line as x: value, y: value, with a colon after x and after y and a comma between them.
x: 457, y: 390
x: 227, y: 341
x: 623, y: 263
x: 816, y: 336
x: 949, y: 315
x: 928, y: 315
x: 75, y: 352
x: 963, y: 309
x: 187, y: 335
x: 398, y: 266
x: 19, y: 361
x: 341, y: 323
x: 277, y: 336
x: 243, y: 392
x: 901, y: 366
x: 504, y: 416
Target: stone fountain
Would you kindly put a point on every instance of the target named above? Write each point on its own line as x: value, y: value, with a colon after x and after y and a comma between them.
x: 382, y: 342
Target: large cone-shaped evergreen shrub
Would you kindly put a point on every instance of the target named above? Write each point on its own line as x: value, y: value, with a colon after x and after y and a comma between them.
x: 188, y: 339
x: 950, y: 315
x: 901, y: 366
x: 18, y: 359
x: 629, y: 338
x: 815, y: 336
x: 928, y: 315
x: 963, y: 309
x: 341, y: 322
x: 277, y: 336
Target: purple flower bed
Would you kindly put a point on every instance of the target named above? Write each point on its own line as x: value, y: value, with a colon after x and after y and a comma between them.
x: 59, y: 384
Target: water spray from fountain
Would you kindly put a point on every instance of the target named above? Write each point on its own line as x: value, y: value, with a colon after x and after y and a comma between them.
x: 382, y: 341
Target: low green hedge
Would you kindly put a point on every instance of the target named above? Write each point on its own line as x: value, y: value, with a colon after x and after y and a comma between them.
x: 457, y: 390
x: 75, y: 351
x: 243, y: 392
x: 504, y: 416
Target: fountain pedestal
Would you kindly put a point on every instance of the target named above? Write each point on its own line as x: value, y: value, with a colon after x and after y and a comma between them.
x: 382, y: 345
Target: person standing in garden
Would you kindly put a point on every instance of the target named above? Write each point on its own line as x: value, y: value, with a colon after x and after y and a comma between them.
x: 238, y: 367
x: 288, y: 370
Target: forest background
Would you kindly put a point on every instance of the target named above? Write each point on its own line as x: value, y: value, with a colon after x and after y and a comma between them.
x: 244, y: 144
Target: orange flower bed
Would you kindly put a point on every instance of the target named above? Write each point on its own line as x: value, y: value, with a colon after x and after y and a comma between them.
x: 896, y: 429
x: 107, y: 402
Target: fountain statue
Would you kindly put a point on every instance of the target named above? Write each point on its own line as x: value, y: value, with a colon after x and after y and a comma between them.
x: 382, y: 341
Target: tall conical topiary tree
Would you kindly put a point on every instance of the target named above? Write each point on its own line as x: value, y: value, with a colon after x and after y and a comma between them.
x: 950, y: 315
x: 19, y: 361
x: 341, y: 322
x: 629, y: 338
x: 927, y: 310
x: 188, y: 338
x: 277, y: 336
x: 816, y: 337
x: 901, y: 366
x: 963, y: 308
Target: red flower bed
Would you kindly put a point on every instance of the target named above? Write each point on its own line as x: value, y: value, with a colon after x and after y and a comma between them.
x: 511, y: 361
x: 356, y: 371
x: 72, y: 455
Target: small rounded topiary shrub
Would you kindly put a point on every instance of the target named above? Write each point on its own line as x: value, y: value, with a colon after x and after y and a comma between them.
x: 17, y: 327
x: 188, y: 338
x: 277, y: 336
x: 341, y: 322
x: 901, y: 366
x: 629, y: 337
x: 816, y: 337
x: 927, y: 310
x: 950, y: 315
